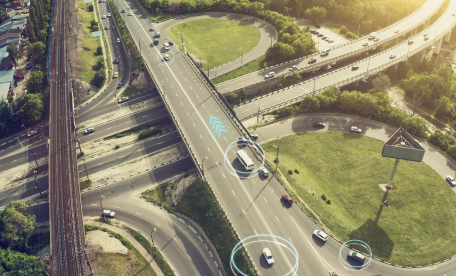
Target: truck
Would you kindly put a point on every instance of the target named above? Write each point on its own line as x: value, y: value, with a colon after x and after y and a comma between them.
x: 325, y: 52
x: 109, y: 213
x: 372, y: 35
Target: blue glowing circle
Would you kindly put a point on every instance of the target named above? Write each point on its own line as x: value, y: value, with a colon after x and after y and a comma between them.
x: 237, y: 247
x: 246, y: 142
x: 365, y: 245
x: 162, y: 61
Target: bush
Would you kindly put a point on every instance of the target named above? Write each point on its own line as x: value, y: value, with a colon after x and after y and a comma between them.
x: 99, y: 50
x: 328, y: 202
x: 350, y: 35
x: 90, y: 8
x: 343, y: 30
x: 146, y: 133
x: 290, y: 172
x: 117, y: 147
x: 323, y: 196
x: 296, y: 171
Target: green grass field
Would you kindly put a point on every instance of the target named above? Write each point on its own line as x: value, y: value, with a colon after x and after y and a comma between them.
x: 336, y: 29
x: 248, y: 68
x: 217, y: 41
x: 87, y: 45
x: 417, y: 228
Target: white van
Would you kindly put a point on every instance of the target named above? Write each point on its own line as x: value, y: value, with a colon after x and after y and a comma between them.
x: 372, y: 35
x: 325, y: 51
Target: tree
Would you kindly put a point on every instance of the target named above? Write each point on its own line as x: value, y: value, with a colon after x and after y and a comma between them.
x: 16, y: 226
x: 38, y: 51
x: 30, y: 31
x: 382, y: 83
x: 232, y: 98
x: 416, y: 87
x: 17, y: 263
x: 343, y: 30
x: 30, y: 109
x: 444, y: 109
x: 100, y: 63
x: 99, y: 50
x: 90, y: 8
x: 188, y: 6
x: 99, y: 78
x: 13, y: 51
x: 316, y: 14
x: 310, y: 103
x: 42, y: 36
x: 35, y: 84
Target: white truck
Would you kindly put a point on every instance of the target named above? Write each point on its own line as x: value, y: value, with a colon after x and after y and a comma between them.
x: 372, y: 35
x: 325, y: 52
x: 109, y: 213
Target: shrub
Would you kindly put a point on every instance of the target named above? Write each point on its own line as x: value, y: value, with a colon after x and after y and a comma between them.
x: 350, y: 35
x: 99, y: 50
x: 296, y: 171
x: 328, y: 202
x: 290, y: 172
x: 146, y: 133
x: 117, y: 147
x: 343, y: 30
x: 323, y: 196
x: 90, y: 8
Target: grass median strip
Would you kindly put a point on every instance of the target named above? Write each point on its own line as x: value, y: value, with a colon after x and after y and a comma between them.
x: 348, y: 170
x: 250, y: 67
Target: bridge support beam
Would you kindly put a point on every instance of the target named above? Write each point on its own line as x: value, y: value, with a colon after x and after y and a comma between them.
x: 437, y: 46
x: 395, y: 67
x: 414, y: 32
x: 423, y: 53
x: 447, y: 37
x: 426, y: 24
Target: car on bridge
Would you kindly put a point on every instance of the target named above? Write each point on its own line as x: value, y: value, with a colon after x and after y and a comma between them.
x: 393, y: 56
x: 356, y: 67
x: 355, y: 129
x: 312, y: 60
x: 89, y: 130
x: 31, y: 133
x: 269, y: 75
x: 268, y: 256
x: 321, y: 235
x: 293, y: 68
x: 365, y: 44
x: 410, y: 42
x: 451, y: 180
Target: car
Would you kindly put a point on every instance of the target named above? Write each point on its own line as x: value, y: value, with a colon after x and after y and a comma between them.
x: 318, y: 26
x: 293, y: 68
x: 254, y: 136
x: 426, y: 38
x: 269, y: 75
x: 109, y: 213
x: 320, y: 35
x: 321, y: 235
x: 107, y: 28
x: 451, y: 180
x: 356, y: 67
x: 365, y: 44
x: 36, y: 68
x: 116, y: 60
x: 171, y: 129
x: 324, y: 37
x: 151, y: 29
x: 264, y: 172
x: 312, y: 31
x: 268, y: 256
x: 171, y: 43
x: 119, y: 85
x: 242, y: 139
x: 26, y: 92
x: 123, y: 99
x: 376, y: 39
x: 157, y: 34
x: 410, y: 42
x: 29, y: 66
x: 89, y: 130
x: 164, y: 132
x: 165, y: 45
x: 130, y: 13
x: 319, y: 124
x: 109, y: 15
x: 425, y: 34
x: 118, y: 40
x: 116, y: 74
x: 164, y: 49
x: 166, y: 57
x: 103, y: 17
x: 396, y: 31
x: 31, y: 133
x: 123, y: 11
x: 330, y: 41
x: 355, y: 129
x: 316, y: 32
x: 155, y: 41
x: 356, y: 256
x: 312, y: 60
x: 392, y: 56
x: 287, y: 199
x: 113, y: 27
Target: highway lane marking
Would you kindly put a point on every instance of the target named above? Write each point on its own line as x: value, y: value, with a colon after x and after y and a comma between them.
x: 201, y: 136
x: 189, y: 256
x: 208, y: 149
x: 160, y: 143
x: 137, y: 213
x: 223, y: 175
x: 253, y: 181
x: 315, y: 251
x: 144, y: 116
x: 174, y: 238
x: 182, y: 103
x: 255, y: 232
x: 290, y: 240
x: 265, y: 199
x: 244, y: 212
x: 117, y: 207
x: 277, y: 219
x: 35, y: 187
x: 109, y: 127
x: 93, y: 204
x: 157, y: 224
x: 272, y: 189
x: 233, y: 193
x: 225, y: 138
x: 194, y: 124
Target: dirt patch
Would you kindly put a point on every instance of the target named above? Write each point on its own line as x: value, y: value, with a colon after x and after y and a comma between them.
x: 124, y: 112
x: 103, y: 146
x: 252, y: 122
x: 83, y: 91
x: 142, y: 79
x: 180, y: 186
x: 384, y: 185
x: 104, y: 242
x: 201, y: 63
x: 137, y: 166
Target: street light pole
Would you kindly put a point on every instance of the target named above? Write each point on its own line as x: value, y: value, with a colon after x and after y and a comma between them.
x: 101, y: 199
x: 258, y: 115
x: 389, y: 14
x: 37, y: 185
x: 35, y: 158
x: 277, y: 158
x: 315, y: 79
x: 202, y: 163
x: 152, y: 237
x: 367, y: 71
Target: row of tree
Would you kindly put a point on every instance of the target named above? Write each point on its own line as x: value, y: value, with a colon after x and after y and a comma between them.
x: 38, y: 21
x: 26, y: 111
x: 374, y: 105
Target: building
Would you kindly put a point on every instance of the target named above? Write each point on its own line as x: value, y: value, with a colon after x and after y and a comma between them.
x: 7, y: 71
x: 17, y: 5
x: 12, y: 30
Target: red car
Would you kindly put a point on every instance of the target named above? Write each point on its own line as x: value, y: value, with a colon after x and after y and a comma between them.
x: 116, y: 60
x: 171, y: 43
x: 287, y: 199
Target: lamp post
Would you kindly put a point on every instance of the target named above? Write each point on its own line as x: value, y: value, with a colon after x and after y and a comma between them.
x: 101, y: 200
x: 152, y: 237
x: 368, y: 63
x: 359, y: 26
x: 36, y: 182
x: 258, y: 115
x: 202, y: 163
x: 315, y: 79
x: 277, y: 158
x: 408, y: 51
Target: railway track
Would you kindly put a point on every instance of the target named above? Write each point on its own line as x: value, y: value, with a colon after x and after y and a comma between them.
x: 67, y: 230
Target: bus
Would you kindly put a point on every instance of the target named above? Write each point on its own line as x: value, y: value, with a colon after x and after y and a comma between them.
x: 245, y: 160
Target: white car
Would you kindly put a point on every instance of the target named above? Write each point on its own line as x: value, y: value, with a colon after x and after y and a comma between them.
x: 269, y: 75
x: 293, y: 68
x: 130, y: 13
x: 124, y: 99
x: 109, y: 14
x: 451, y: 180
x: 109, y: 213
x: 321, y: 235
x: 268, y: 256
x: 89, y: 130
x: 166, y: 57
x: 392, y: 56
x: 264, y: 172
x: 31, y: 133
x: 355, y: 129
x: 118, y: 40
x: 103, y: 17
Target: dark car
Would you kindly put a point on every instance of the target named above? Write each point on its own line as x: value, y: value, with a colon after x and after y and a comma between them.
x: 28, y: 66
x: 312, y: 60
x: 119, y: 85
x: 410, y: 42
x: 320, y: 35
x: 287, y: 199
x: 318, y: 26
x: 116, y: 60
x: 155, y: 41
x: 355, y: 68
x: 113, y: 27
x: 171, y: 43
x: 319, y: 124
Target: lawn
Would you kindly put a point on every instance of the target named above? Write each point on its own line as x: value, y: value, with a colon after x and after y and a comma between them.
x: 87, y: 45
x: 336, y: 29
x: 130, y: 91
x: 417, y: 228
x: 217, y: 41
x: 250, y: 67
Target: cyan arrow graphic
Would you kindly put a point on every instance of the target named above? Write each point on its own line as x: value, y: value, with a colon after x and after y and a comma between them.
x: 212, y: 117
x: 217, y: 128
x: 220, y: 131
x: 216, y: 123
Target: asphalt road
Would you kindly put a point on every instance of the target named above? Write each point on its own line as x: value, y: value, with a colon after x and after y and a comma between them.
x: 253, y: 204
x: 129, y: 153
x: 23, y: 141
x: 180, y: 246
x: 372, y: 64
x: 428, y: 8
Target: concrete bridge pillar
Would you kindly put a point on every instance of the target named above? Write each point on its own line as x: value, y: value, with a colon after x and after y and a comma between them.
x: 414, y: 32
x: 426, y: 23
x: 395, y: 67
x: 437, y: 46
x: 447, y: 37
x: 423, y: 53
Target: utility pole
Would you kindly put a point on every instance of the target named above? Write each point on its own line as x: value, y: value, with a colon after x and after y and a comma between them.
x: 101, y: 200
x: 277, y: 158
x: 86, y: 172
x: 152, y: 237
x: 37, y: 185
x: 258, y: 115
x: 88, y: 262
x: 35, y: 159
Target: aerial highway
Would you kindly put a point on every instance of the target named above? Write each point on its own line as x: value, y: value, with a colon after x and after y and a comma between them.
x: 253, y: 204
x: 345, y: 75
x: 421, y: 17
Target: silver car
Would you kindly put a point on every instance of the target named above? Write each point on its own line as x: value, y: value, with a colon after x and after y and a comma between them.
x: 89, y: 130
x: 451, y: 180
